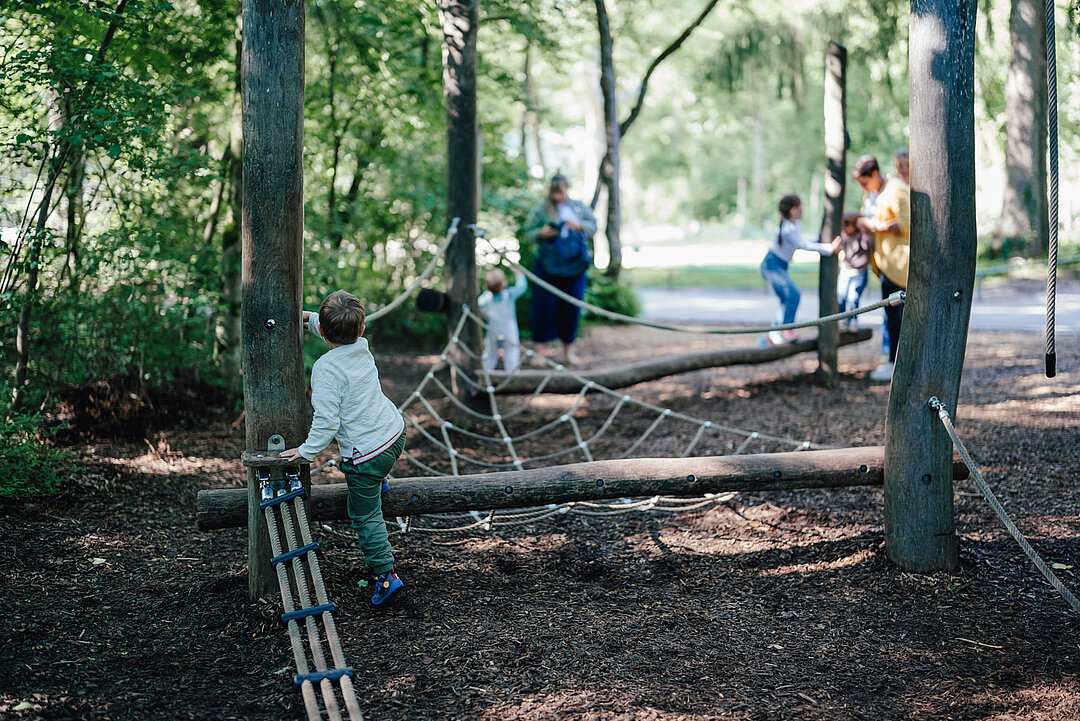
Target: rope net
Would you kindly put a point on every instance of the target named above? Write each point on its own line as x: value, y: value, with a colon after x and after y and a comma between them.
x: 449, y: 437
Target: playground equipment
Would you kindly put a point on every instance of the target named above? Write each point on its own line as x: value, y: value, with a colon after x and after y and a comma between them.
x: 916, y: 468
x: 520, y: 481
x: 279, y: 484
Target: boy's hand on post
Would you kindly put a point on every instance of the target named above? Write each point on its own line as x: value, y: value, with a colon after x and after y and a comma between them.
x: 292, y: 454
x: 305, y: 316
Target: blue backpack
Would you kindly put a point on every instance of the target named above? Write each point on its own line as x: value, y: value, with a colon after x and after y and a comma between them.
x: 572, y: 245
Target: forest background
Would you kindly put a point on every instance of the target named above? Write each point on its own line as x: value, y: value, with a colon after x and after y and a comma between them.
x: 120, y: 146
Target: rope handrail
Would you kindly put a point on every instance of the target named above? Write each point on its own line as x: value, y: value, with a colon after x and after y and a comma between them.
x: 1032, y: 554
x: 451, y: 232
x: 894, y: 299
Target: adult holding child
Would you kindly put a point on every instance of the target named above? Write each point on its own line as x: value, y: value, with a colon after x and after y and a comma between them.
x: 561, y: 229
x: 890, y: 223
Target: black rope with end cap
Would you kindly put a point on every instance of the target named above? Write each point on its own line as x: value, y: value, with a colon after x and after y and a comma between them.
x: 943, y: 414
x: 1051, y: 267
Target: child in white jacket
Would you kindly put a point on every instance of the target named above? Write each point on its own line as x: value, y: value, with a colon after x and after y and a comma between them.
x: 497, y: 305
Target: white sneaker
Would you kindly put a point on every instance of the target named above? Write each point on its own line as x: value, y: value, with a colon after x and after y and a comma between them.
x: 775, y: 337
x: 882, y: 374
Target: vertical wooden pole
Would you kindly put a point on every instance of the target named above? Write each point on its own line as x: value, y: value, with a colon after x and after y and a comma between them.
x: 609, y: 166
x: 919, y: 529
x: 836, y: 176
x: 272, y: 96
x: 460, y: 22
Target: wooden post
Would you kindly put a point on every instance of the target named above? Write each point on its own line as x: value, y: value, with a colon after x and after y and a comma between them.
x: 836, y: 157
x: 460, y: 22
x: 272, y: 68
x: 919, y: 530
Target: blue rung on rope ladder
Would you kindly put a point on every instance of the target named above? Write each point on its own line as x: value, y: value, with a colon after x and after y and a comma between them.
x: 305, y: 612
x: 333, y: 673
x: 293, y: 554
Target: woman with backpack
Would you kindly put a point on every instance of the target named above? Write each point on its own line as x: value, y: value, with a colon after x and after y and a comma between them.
x: 774, y: 269
x: 561, y: 229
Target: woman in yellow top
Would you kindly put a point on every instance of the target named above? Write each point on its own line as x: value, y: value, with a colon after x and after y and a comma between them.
x: 890, y: 223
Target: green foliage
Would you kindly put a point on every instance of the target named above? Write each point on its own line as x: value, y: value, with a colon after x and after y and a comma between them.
x: 611, y: 294
x: 137, y: 114
x: 29, y: 466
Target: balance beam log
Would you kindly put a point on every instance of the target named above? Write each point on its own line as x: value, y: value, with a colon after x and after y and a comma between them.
x: 596, y: 480
x: 526, y: 381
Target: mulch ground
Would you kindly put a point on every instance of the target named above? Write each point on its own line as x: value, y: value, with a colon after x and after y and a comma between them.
x: 767, y: 606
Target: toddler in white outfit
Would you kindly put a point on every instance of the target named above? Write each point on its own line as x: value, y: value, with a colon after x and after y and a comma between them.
x: 497, y: 305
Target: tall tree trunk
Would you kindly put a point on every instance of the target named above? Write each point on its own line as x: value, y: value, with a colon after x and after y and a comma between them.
x: 609, y: 168
x: 605, y: 47
x: 526, y: 100
x: 22, y: 333
x: 530, y: 118
x: 757, y: 170
x: 460, y: 22
x: 231, y: 260
x: 73, y: 194
x: 1024, y: 217
x: 61, y: 152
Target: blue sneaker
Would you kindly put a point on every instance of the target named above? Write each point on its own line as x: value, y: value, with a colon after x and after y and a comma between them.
x: 385, y: 486
x: 386, y: 584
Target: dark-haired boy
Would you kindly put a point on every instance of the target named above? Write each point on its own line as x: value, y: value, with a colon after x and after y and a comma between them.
x: 349, y: 405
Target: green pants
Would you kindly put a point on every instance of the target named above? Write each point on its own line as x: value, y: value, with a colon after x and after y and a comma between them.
x: 365, y: 505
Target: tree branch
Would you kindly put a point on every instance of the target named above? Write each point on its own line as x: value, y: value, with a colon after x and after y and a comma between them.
x: 669, y: 50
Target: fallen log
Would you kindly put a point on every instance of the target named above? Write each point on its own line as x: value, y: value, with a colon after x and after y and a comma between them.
x: 596, y: 480
x: 527, y: 381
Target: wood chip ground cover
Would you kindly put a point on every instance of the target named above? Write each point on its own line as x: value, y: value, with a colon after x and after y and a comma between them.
x: 768, y: 606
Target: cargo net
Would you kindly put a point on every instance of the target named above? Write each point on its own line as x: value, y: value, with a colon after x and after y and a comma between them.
x: 537, y: 430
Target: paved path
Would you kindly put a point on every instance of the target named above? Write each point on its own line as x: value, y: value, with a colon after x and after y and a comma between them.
x: 992, y: 310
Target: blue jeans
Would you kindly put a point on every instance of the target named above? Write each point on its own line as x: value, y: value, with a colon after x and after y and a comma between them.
x: 775, y: 272
x: 850, y: 287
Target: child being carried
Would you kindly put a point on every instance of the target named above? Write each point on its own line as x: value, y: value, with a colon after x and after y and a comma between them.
x: 856, y: 246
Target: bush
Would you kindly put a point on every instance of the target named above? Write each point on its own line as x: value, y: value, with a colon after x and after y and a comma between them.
x: 611, y: 294
x: 29, y: 466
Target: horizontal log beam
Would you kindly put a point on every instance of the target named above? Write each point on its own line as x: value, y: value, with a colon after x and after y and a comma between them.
x: 526, y: 381
x: 597, y: 480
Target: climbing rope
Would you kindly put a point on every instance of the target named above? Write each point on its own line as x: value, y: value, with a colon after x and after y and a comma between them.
x: 895, y: 299
x: 435, y: 431
x: 424, y: 275
x: 943, y: 414
x: 1051, y: 267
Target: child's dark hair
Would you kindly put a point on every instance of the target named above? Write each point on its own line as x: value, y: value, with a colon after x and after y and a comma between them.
x: 865, y: 166
x: 341, y: 317
x: 851, y: 219
x: 787, y: 204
